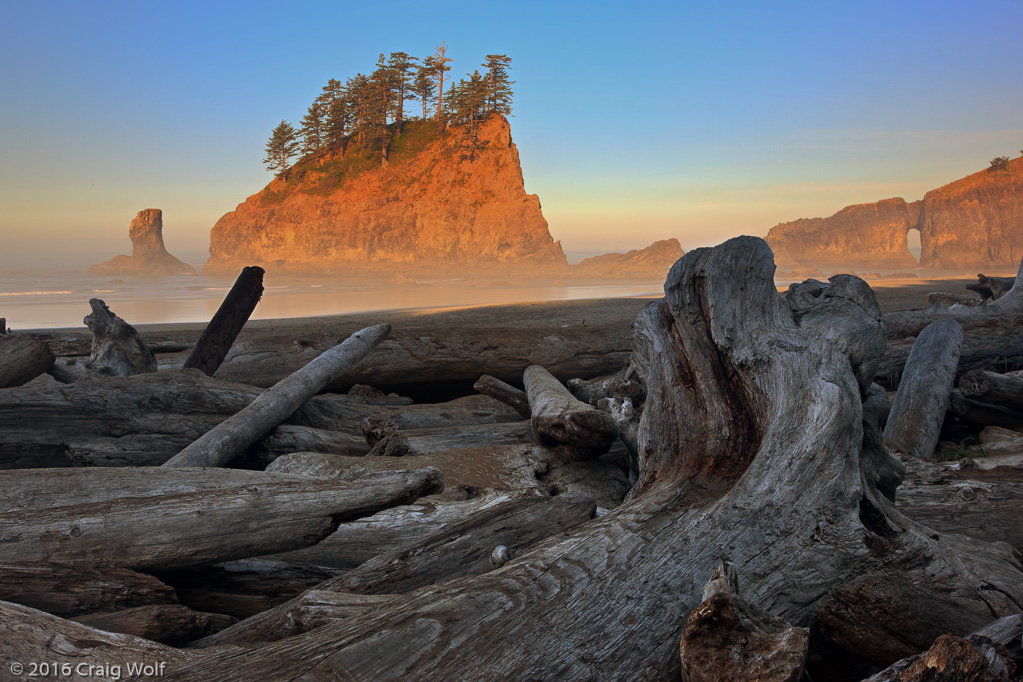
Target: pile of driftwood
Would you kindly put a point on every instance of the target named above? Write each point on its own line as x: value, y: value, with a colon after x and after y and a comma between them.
x: 709, y: 495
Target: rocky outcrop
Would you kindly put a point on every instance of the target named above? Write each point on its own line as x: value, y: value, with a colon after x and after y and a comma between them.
x: 430, y: 207
x: 860, y: 236
x: 976, y: 222
x: 653, y: 261
x: 148, y: 254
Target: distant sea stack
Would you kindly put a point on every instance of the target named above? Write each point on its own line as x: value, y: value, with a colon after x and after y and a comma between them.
x: 653, y: 261
x: 433, y: 206
x: 975, y: 222
x: 148, y: 254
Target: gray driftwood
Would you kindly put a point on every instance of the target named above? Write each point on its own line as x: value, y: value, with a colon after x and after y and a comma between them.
x: 505, y: 392
x: 171, y: 624
x: 560, y: 420
x: 23, y: 357
x: 117, y: 349
x: 424, y: 441
x: 67, y: 591
x: 236, y: 434
x: 990, y: 387
x: 922, y: 400
x: 977, y: 414
x: 215, y: 341
x: 157, y: 519
x: 473, y: 409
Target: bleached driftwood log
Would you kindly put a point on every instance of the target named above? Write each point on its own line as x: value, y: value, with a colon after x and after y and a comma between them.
x: 990, y: 387
x: 753, y: 443
x: 117, y: 349
x: 216, y: 340
x: 23, y: 357
x: 922, y: 400
x: 506, y: 393
x: 238, y: 433
x: 158, y: 519
x: 560, y: 420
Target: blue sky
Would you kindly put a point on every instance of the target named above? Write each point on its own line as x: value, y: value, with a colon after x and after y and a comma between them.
x: 634, y: 121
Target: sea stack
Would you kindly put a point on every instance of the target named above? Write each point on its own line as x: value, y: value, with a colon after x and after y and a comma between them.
x: 148, y: 254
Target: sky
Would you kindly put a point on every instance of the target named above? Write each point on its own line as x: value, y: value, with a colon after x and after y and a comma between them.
x: 635, y: 121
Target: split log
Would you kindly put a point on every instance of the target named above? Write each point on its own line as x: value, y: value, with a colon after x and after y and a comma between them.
x: 238, y: 433
x: 473, y: 409
x: 766, y: 459
x: 990, y: 387
x: 159, y: 519
x: 147, y: 419
x: 506, y: 393
x: 424, y: 441
x: 461, y: 549
x: 725, y: 638
x: 914, y: 422
x: 977, y: 415
x: 218, y: 337
x: 65, y: 591
x: 560, y: 420
x: 23, y: 357
x: 171, y: 624
x: 117, y: 349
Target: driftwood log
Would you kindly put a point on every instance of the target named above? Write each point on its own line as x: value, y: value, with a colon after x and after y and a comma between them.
x: 117, y: 349
x: 977, y: 415
x: 172, y: 624
x: 239, y: 432
x: 920, y: 404
x: 990, y: 387
x: 560, y: 420
x: 473, y: 409
x: 218, y: 337
x: 423, y: 441
x: 506, y: 393
x: 73, y: 591
x: 23, y: 357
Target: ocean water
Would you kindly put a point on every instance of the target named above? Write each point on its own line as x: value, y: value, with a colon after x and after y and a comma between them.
x: 41, y: 294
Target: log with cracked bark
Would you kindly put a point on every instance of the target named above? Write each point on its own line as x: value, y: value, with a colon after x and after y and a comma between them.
x: 23, y: 357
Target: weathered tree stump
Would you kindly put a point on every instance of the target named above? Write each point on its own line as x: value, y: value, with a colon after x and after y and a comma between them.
x: 219, y: 335
x: 117, y: 349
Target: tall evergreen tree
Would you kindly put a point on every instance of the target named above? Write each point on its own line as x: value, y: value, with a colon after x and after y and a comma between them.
x: 439, y: 62
x: 380, y: 104
x: 424, y: 86
x: 467, y: 105
x: 336, y: 113
x: 312, y: 129
x: 283, y: 144
x: 401, y: 66
x: 358, y: 88
x: 499, y: 92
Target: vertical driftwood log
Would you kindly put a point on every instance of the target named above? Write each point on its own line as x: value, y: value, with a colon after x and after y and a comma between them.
x: 23, y: 358
x: 236, y: 434
x: 922, y: 400
x: 506, y: 393
x: 216, y: 340
x: 786, y: 490
x: 117, y: 349
x: 560, y: 420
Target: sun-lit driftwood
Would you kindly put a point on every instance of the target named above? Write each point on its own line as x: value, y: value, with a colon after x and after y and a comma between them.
x: 239, y: 432
x: 977, y: 415
x: 560, y: 420
x: 990, y: 387
x: 506, y: 393
x: 473, y: 409
x: 72, y: 591
x: 117, y: 349
x: 216, y: 340
x: 424, y: 441
x: 23, y: 357
x: 920, y: 404
x: 156, y: 519
x: 171, y: 624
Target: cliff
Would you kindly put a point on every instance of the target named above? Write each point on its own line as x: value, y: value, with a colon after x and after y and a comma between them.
x: 148, y: 256
x: 652, y: 262
x: 430, y: 208
x: 976, y: 222
x: 972, y: 223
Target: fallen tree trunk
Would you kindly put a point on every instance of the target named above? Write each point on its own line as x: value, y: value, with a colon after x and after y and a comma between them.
x: 159, y: 519
x: 236, y: 434
x: 920, y: 404
x: 990, y: 387
x: 23, y: 357
x: 218, y: 337
x: 65, y: 591
x: 560, y: 420
x: 117, y: 349
x: 506, y: 393
x: 474, y: 409
x: 977, y: 415
x: 424, y: 441
x: 767, y: 458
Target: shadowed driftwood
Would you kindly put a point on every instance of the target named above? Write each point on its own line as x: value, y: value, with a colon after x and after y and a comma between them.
x: 753, y: 443
x: 424, y: 441
x: 990, y: 387
x: 72, y: 591
x: 920, y: 404
x: 237, y: 433
x: 218, y: 337
x: 977, y: 415
x: 23, y: 357
x: 172, y: 624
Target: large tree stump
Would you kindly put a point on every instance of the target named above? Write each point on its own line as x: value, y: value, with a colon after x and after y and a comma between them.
x: 922, y: 400
x: 216, y: 340
x: 23, y: 357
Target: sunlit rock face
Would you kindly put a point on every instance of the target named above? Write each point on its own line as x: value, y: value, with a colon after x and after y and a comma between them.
x: 149, y: 256
x: 860, y: 236
x: 976, y: 222
x: 653, y: 261
x: 431, y: 207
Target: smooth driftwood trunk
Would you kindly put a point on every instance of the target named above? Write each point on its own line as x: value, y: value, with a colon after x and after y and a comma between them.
x: 464, y: 548
x: 990, y: 387
x: 171, y: 624
x: 117, y: 349
x: 66, y: 591
x: 560, y: 420
x: 158, y: 519
x: 23, y: 357
x: 977, y: 415
x: 148, y: 418
x: 505, y: 392
x: 236, y: 434
x: 218, y: 337
x: 424, y: 441
x: 752, y: 443
x: 920, y: 404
